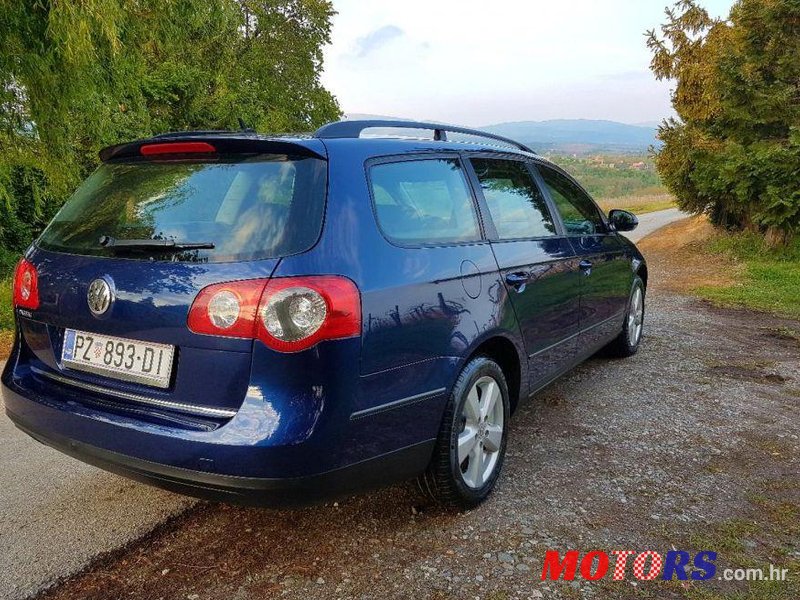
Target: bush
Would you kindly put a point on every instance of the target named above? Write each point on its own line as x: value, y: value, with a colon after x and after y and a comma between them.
x: 734, y: 153
x: 78, y: 76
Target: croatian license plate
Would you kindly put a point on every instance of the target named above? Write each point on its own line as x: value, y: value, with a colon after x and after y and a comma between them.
x: 119, y: 358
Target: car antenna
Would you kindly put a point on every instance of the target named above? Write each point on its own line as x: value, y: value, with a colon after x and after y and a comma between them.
x: 243, y: 126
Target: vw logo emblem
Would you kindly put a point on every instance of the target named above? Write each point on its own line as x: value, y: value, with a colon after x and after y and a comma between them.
x: 99, y: 297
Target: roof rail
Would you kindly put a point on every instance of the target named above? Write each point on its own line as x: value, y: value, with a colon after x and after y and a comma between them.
x: 353, y: 129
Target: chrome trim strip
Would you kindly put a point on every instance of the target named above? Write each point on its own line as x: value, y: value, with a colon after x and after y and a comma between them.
x: 176, y: 406
x: 374, y: 410
x: 122, y: 376
x: 618, y: 315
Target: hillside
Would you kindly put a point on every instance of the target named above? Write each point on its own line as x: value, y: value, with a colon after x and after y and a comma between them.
x: 578, y: 136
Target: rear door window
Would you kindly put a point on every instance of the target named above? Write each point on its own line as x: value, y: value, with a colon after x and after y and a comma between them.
x: 260, y: 207
x: 424, y: 201
x: 515, y: 202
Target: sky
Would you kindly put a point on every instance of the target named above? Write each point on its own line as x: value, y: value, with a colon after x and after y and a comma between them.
x: 492, y: 61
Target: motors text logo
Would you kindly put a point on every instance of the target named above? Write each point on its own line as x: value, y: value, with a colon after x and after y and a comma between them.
x: 622, y: 564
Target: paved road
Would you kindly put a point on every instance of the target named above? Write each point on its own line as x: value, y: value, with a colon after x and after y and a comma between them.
x: 649, y: 222
x: 56, y: 513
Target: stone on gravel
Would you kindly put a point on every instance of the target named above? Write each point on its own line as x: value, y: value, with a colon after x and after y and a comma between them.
x: 505, y: 557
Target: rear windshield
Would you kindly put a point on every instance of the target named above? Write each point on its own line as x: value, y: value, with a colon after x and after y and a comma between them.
x: 262, y: 207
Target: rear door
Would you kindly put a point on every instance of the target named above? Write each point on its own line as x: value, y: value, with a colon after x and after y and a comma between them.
x: 244, y: 212
x: 537, y: 263
x: 429, y: 293
x: 606, y: 270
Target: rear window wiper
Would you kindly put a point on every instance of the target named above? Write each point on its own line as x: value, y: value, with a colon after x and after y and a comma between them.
x: 106, y: 241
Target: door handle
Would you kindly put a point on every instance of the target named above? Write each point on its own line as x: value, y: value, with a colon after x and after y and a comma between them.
x: 518, y: 280
x: 586, y: 267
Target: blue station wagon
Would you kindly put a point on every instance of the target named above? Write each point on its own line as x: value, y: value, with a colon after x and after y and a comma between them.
x: 279, y: 320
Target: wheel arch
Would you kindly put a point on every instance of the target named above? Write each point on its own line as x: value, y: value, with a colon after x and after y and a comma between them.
x: 642, y: 273
x: 506, y: 353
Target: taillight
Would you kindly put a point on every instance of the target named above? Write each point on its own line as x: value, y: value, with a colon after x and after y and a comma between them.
x: 287, y: 314
x: 227, y: 309
x: 26, y: 286
x: 298, y: 312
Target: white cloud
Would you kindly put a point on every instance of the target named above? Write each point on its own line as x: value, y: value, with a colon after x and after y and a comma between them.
x: 375, y: 40
x: 477, y: 62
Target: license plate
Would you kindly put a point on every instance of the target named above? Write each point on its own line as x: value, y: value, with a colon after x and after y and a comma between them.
x: 120, y: 358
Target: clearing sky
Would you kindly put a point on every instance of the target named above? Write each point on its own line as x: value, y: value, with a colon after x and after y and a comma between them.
x: 479, y: 63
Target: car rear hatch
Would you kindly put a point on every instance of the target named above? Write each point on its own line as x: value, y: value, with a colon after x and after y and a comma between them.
x: 121, y: 264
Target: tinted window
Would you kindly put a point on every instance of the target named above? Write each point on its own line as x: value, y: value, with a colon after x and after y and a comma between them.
x: 517, y: 206
x: 249, y: 209
x: 577, y: 210
x: 424, y: 201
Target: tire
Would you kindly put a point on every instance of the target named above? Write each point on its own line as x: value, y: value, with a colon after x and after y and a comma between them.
x: 451, y: 481
x: 627, y: 342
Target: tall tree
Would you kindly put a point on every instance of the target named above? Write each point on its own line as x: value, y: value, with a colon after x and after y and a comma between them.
x: 76, y: 76
x: 734, y: 152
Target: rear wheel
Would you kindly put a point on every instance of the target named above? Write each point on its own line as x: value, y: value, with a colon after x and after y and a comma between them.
x: 627, y: 343
x: 471, y: 445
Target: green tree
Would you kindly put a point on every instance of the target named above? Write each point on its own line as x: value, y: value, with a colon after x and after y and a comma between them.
x: 734, y: 152
x: 77, y: 76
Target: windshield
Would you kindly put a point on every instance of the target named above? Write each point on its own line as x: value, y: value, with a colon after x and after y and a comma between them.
x: 262, y: 207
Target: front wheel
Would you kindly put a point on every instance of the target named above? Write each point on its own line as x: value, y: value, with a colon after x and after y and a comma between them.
x: 627, y: 343
x: 471, y: 445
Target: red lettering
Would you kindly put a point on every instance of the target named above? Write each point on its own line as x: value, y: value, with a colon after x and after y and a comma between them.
x: 556, y: 566
x: 588, y: 561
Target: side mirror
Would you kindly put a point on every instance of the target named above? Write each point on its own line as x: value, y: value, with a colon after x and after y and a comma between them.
x: 622, y: 220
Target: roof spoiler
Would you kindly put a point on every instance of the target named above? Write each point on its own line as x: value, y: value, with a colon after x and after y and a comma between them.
x: 211, y: 143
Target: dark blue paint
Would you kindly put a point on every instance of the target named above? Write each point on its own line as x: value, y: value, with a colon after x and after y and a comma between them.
x: 675, y: 564
x: 706, y: 562
x: 425, y: 311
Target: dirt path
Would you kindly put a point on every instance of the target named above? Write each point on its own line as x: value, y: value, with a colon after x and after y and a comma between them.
x: 694, y: 443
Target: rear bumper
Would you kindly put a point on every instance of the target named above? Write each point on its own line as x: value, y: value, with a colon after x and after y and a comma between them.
x: 296, y: 491
x: 237, y: 462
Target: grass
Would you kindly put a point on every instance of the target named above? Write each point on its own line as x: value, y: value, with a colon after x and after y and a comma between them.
x: 7, y: 262
x: 770, y: 534
x: 639, y: 205
x: 6, y: 312
x: 770, y: 278
x: 6, y: 318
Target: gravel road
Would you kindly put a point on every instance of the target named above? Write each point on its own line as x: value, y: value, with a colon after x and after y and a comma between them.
x: 632, y: 453
x: 697, y: 433
x: 56, y: 514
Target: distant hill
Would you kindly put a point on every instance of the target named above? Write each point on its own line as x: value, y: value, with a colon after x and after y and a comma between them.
x: 570, y: 136
x: 579, y: 136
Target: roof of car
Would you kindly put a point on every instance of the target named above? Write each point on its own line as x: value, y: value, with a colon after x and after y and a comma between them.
x: 379, y: 134
x: 441, y: 132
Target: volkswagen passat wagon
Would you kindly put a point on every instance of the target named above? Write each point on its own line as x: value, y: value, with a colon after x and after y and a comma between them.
x: 282, y: 319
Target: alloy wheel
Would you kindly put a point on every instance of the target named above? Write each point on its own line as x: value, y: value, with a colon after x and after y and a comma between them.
x: 481, y: 434
x: 635, y: 317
